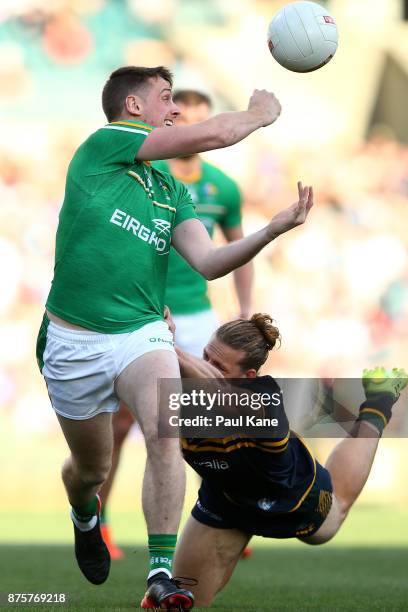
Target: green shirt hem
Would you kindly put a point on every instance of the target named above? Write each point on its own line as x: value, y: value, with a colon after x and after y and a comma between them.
x: 115, y: 328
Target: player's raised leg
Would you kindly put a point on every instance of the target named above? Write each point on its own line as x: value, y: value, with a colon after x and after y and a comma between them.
x: 164, y: 478
x: 349, y: 465
x: 351, y: 460
x: 83, y: 473
x: 206, y: 558
x: 122, y: 422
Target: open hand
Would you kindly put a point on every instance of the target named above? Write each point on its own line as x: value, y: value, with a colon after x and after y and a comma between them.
x: 293, y: 216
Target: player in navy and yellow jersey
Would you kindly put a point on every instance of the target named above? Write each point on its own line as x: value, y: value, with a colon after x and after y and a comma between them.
x: 272, y: 487
x: 217, y: 200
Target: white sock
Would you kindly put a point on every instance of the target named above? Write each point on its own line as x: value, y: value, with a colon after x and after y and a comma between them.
x: 159, y: 570
x: 84, y: 526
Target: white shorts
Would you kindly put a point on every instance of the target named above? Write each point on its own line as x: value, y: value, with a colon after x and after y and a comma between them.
x: 80, y: 368
x: 193, y: 331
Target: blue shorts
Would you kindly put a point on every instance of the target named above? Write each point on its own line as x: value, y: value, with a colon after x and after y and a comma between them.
x: 215, y: 509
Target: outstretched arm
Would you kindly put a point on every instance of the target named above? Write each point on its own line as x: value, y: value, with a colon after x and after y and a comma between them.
x: 350, y: 461
x: 192, y: 241
x: 220, y: 131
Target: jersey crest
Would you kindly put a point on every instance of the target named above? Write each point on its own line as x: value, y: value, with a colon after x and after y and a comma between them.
x: 162, y: 226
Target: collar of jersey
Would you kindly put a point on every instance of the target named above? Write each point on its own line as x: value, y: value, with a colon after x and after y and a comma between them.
x: 133, y: 123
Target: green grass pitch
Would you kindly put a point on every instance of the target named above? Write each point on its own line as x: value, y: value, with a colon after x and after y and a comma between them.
x: 274, y: 578
x: 364, y: 568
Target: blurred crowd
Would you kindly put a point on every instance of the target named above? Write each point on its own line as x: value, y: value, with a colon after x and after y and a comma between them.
x: 337, y: 287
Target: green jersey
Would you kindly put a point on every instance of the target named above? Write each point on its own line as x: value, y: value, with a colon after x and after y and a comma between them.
x: 218, y: 201
x: 114, y: 233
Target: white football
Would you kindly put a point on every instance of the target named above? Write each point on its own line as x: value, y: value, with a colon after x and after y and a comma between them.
x: 303, y: 36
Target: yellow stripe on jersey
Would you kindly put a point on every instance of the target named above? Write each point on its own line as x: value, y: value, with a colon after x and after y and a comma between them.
x: 138, y: 125
x: 234, y: 447
x: 221, y: 445
x: 228, y: 439
x: 309, y: 488
x: 120, y: 128
x: 267, y: 442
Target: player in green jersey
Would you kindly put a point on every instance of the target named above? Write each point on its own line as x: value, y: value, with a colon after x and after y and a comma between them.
x: 217, y: 201
x: 103, y: 338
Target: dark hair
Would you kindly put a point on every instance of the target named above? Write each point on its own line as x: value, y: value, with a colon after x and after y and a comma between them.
x: 126, y: 80
x: 191, y: 97
x: 256, y: 337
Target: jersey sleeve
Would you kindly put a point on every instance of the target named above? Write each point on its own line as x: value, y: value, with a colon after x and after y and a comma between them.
x: 122, y: 141
x: 185, y: 208
x: 232, y: 200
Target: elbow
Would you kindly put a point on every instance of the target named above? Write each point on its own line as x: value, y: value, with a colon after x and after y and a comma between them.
x: 211, y: 275
x: 208, y: 273
x: 206, y: 265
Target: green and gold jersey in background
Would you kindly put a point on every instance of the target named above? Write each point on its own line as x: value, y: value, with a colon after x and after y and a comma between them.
x: 114, y: 233
x: 218, y: 201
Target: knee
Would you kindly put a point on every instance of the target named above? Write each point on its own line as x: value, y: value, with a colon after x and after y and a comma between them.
x: 164, y: 448
x: 90, y: 475
x: 317, y: 540
x: 343, y: 508
x: 95, y: 476
x: 331, y: 525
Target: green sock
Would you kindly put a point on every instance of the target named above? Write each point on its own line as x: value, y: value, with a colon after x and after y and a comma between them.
x: 87, y: 511
x: 161, y: 552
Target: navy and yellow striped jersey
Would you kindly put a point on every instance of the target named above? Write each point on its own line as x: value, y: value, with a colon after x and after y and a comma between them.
x: 247, y: 469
